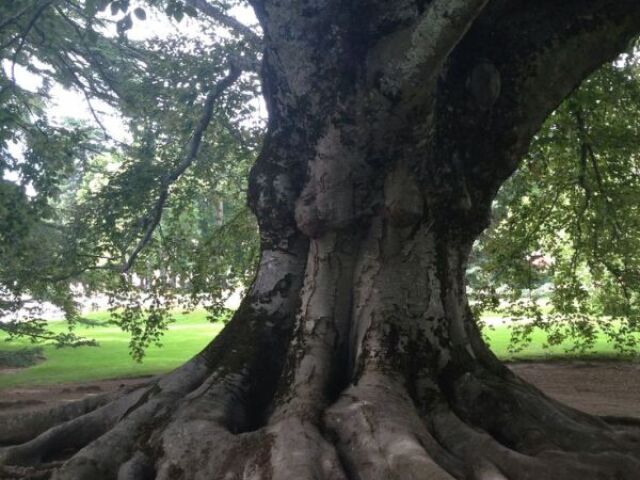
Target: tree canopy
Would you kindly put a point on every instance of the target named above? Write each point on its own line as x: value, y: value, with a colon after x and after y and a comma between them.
x: 158, y: 220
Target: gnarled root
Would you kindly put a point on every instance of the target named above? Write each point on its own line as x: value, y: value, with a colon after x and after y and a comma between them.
x: 525, y: 419
x: 104, y: 430
x: 18, y: 428
x: 221, y: 417
x: 198, y: 424
x: 380, y: 434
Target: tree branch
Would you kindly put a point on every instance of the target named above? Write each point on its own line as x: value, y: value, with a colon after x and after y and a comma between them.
x: 154, y: 217
x: 552, y: 47
x: 436, y: 33
x: 24, y: 35
x: 228, y: 21
x: 15, y: 17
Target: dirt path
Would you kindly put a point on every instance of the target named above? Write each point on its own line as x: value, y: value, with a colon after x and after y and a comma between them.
x: 603, y: 388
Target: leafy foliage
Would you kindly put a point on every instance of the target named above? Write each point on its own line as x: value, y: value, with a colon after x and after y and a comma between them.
x: 563, y: 253
x: 83, y: 201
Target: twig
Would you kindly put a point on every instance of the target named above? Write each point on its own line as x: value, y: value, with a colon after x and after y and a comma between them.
x: 23, y: 38
x: 228, y: 21
x: 15, y: 17
x: 86, y: 90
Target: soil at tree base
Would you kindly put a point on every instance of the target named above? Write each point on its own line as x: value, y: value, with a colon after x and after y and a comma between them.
x: 596, y: 387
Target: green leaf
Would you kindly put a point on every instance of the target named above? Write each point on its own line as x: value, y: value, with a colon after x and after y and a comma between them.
x: 190, y: 11
x: 91, y: 7
x: 140, y: 13
x: 102, y: 5
x: 124, y: 24
x: 178, y: 14
x: 92, y: 36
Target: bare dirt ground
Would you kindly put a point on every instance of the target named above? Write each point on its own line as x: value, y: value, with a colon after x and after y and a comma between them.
x: 21, y: 398
x: 602, y: 388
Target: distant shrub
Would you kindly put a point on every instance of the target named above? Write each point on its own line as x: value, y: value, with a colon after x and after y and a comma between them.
x: 25, y: 357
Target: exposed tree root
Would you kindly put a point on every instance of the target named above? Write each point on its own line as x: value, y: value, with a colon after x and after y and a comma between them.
x: 21, y: 427
x: 221, y: 417
x: 70, y: 435
x: 299, y: 450
x: 42, y: 472
x: 101, y: 432
x: 380, y: 435
x: 525, y: 419
x: 201, y: 431
x: 486, y: 458
x: 375, y: 430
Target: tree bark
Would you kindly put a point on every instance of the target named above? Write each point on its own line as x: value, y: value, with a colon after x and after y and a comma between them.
x: 354, y: 355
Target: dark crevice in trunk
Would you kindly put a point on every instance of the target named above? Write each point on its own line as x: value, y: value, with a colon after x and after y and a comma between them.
x: 341, y: 378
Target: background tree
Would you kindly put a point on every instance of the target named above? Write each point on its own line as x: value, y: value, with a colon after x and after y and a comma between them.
x: 355, y: 354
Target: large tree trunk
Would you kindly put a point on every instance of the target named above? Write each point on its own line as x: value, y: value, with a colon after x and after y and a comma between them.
x: 354, y: 356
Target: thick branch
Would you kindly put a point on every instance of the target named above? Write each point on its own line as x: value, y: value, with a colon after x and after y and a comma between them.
x: 435, y: 35
x: 494, y: 99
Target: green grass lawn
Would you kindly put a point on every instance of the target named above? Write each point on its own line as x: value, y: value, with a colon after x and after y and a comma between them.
x: 189, y: 334
x: 111, y: 359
